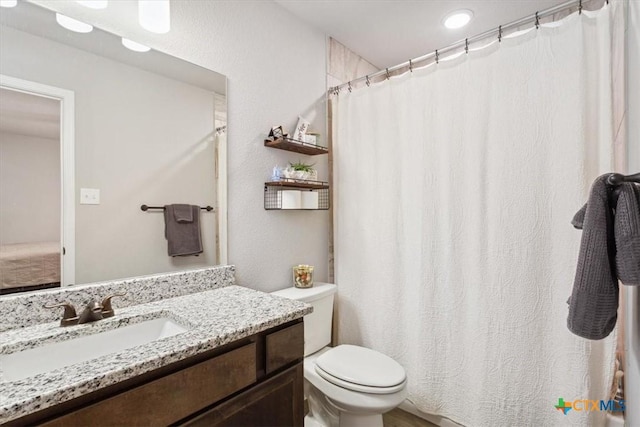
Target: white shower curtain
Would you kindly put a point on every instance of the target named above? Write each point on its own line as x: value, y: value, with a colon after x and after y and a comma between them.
x: 455, y: 186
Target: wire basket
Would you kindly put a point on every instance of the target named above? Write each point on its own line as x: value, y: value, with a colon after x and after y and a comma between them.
x: 296, y: 195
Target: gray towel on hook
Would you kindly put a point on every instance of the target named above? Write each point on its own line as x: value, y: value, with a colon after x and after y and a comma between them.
x: 627, y: 234
x: 593, y: 305
x: 183, y: 238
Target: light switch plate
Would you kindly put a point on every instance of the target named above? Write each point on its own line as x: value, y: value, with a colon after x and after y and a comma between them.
x: 89, y: 196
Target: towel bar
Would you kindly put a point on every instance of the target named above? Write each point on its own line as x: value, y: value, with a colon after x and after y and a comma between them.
x: 146, y: 208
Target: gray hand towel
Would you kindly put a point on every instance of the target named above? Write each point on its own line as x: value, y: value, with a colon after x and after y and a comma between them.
x: 183, y: 213
x: 593, y: 305
x: 627, y: 234
x: 183, y: 237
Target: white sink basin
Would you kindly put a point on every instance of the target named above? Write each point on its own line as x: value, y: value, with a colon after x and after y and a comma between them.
x: 26, y: 363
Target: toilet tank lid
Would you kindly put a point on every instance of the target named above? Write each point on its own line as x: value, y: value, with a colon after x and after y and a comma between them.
x: 319, y: 290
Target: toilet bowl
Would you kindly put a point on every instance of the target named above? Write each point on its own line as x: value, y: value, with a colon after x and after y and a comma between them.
x: 347, y: 385
x: 350, y: 404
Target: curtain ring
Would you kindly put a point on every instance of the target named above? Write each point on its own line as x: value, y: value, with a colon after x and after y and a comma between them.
x: 500, y: 33
x: 387, y: 74
x: 350, y: 87
x: 437, y: 57
x: 410, y: 66
x: 368, y: 82
x: 537, y: 21
x: 466, y: 45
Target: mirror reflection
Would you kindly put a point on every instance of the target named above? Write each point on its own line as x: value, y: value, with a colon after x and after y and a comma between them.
x: 89, y: 132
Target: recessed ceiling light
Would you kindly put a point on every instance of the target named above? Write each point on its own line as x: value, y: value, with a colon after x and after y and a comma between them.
x: 8, y: 3
x: 94, y: 4
x: 73, y: 24
x: 458, y: 19
x: 154, y: 15
x: 135, y: 46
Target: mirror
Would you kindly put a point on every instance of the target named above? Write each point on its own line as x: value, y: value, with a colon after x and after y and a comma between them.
x: 89, y: 132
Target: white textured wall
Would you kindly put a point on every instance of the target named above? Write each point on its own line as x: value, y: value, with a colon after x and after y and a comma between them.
x: 276, y: 70
x: 29, y: 189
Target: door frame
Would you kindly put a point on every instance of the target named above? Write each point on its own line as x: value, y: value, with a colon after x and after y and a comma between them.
x: 67, y: 167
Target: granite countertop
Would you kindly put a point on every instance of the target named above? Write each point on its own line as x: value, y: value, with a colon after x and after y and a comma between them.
x: 213, y: 318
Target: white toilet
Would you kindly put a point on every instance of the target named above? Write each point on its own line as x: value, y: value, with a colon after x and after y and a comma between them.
x: 347, y: 385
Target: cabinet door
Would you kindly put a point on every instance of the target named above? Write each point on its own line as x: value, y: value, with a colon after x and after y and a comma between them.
x: 170, y: 398
x: 284, y: 347
x: 276, y: 402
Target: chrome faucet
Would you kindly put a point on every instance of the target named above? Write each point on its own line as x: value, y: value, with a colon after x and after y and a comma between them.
x: 92, y: 312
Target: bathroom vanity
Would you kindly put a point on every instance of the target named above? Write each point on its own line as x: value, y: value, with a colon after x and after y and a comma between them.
x: 228, y: 356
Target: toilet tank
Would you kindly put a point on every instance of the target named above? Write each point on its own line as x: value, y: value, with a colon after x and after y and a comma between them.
x: 317, y: 325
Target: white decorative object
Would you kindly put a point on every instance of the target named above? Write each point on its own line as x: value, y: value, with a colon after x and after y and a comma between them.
x: 291, y: 173
x: 309, y: 200
x: 301, y: 129
x: 291, y: 199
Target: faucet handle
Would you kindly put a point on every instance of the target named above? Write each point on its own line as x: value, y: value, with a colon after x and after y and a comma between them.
x: 69, y: 317
x: 107, y: 309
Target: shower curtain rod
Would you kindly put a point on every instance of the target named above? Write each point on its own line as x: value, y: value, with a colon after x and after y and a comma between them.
x: 534, y: 18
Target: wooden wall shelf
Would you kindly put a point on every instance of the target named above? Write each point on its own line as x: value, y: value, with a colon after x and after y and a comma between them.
x: 317, y: 185
x: 296, y: 146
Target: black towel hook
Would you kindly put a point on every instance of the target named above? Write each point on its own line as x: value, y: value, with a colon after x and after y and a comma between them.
x: 616, y: 179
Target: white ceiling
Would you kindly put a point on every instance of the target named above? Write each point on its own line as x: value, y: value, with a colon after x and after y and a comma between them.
x: 389, y: 32
x: 26, y: 114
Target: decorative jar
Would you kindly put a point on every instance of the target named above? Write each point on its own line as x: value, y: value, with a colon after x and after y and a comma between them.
x: 303, y: 276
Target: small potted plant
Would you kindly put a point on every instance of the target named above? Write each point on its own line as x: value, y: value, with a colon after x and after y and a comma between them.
x: 302, y: 171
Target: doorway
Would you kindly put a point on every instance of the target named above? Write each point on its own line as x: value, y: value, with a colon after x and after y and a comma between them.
x: 37, y: 212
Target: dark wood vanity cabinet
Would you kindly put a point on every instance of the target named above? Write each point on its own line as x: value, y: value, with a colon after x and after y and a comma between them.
x: 269, y: 403
x: 256, y: 381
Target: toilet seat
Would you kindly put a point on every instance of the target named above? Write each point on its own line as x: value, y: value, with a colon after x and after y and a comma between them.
x: 361, y: 369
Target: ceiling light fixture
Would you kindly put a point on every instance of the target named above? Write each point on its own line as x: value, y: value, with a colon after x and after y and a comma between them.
x: 8, y: 3
x: 457, y: 19
x: 94, y: 4
x: 73, y: 24
x: 135, y: 46
x: 154, y: 15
